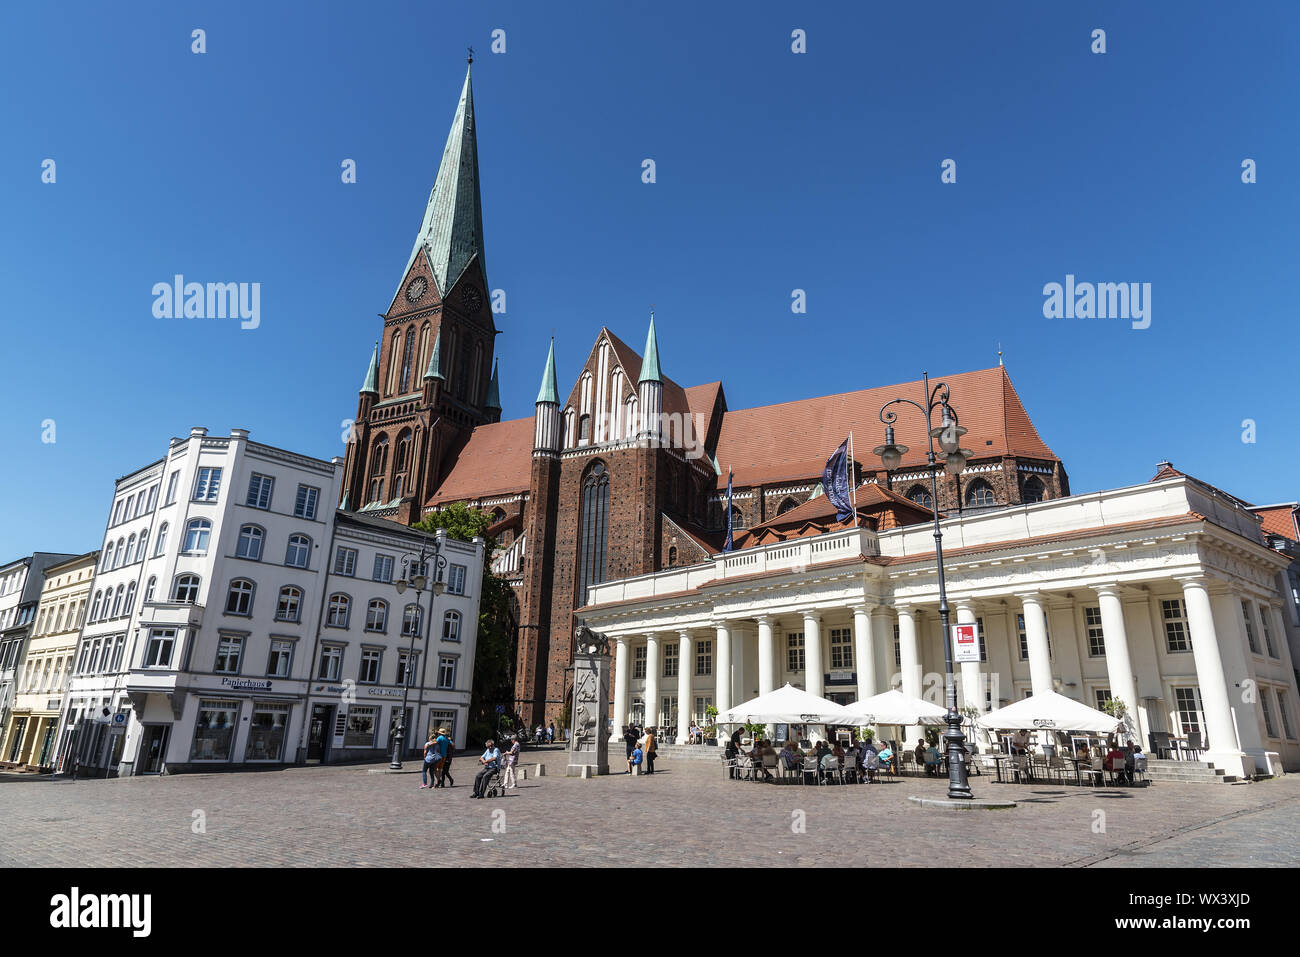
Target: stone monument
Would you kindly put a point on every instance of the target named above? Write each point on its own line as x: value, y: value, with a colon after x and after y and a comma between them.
x: 589, y: 740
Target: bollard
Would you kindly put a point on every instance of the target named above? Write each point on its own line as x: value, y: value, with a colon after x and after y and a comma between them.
x: 586, y: 771
x: 541, y: 770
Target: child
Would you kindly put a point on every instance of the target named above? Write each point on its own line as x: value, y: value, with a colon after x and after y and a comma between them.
x: 634, y: 762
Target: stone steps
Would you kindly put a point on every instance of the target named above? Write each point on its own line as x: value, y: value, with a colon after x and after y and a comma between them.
x: 675, y: 752
x: 1186, y: 772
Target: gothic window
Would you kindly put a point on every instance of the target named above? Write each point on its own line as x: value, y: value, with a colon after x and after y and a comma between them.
x: 568, y: 428
x: 393, y: 345
x: 786, y: 504
x: 584, y: 430
x: 921, y: 496
x: 462, y: 372
x: 631, y: 417
x: 478, y: 373
x: 1034, y: 491
x: 422, y: 357
x: 378, y: 466
x: 979, y: 494
x: 408, y: 356
x: 737, y: 519
x: 595, y: 528
x: 401, y: 462
x: 672, y: 556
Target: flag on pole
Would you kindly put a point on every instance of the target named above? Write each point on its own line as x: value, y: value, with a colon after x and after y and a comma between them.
x: 836, y: 482
x: 853, y: 480
x: 727, y: 545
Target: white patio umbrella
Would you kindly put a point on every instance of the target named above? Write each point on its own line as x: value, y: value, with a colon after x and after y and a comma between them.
x: 894, y: 707
x: 1050, y: 711
x: 788, y: 705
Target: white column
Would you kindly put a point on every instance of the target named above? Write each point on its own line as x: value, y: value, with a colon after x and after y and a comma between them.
x: 1119, y: 665
x: 766, y: 651
x: 910, y: 659
x: 652, y: 680
x: 621, y: 666
x: 722, y: 669
x: 684, y: 703
x: 972, y: 681
x: 1040, y: 659
x: 882, y: 643
x: 812, y: 651
x: 864, y: 654
x: 1222, y: 737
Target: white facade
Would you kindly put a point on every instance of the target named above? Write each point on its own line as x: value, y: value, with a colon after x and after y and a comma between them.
x: 1142, y: 594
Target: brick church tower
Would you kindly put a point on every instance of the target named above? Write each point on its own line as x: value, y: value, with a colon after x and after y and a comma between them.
x: 431, y: 379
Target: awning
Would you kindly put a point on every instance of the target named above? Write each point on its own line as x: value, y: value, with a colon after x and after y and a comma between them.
x: 1050, y: 711
x: 787, y: 705
x: 894, y: 707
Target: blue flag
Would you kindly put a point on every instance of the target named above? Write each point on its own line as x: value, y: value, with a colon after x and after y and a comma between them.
x: 836, y: 482
x: 727, y: 545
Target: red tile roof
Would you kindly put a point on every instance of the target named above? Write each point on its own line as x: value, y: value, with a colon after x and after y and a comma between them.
x: 1281, y: 520
x: 497, y: 459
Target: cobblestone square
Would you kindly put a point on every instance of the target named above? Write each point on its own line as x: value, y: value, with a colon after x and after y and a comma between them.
x: 685, y: 815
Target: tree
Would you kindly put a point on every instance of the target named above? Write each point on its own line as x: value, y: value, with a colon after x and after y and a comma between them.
x: 494, y: 682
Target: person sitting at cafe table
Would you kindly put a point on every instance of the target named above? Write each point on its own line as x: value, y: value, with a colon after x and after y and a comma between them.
x: 930, y: 758
x: 1020, y: 742
x: 1116, y: 764
x: 790, y: 757
x: 920, y: 752
x: 1081, y: 753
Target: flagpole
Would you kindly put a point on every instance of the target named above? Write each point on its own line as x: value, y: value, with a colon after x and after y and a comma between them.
x: 853, y: 480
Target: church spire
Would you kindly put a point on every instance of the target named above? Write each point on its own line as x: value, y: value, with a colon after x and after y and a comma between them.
x: 372, y: 374
x: 494, y: 391
x: 451, y: 234
x: 435, y: 360
x: 549, y: 392
x: 650, y: 360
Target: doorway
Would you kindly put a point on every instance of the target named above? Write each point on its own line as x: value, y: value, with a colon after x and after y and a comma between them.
x: 153, y: 749
x: 19, y: 732
x: 318, y: 732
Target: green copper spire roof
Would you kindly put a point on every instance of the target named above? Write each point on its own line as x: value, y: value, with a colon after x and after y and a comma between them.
x: 548, y: 392
x: 650, y: 360
x: 435, y: 360
x: 494, y: 391
x: 452, y: 231
x: 372, y: 374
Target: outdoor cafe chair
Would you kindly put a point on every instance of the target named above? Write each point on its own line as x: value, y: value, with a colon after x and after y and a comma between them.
x: 829, y: 773
x: 769, y: 765
x: 849, y: 767
x: 1058, y: 766
x: 809, y: 768
x: 1194, y: 745
x: 909, y: 761
x: 1095, y: 771
x: 730, y: 767
x: 1161, y: 746
x: 871, y: 768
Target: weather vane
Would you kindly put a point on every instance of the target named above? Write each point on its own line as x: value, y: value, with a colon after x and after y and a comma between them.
x: 470, y: 58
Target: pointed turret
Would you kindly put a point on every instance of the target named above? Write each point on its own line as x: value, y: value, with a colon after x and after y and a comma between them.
x: 546, y: 433
x: 650, y: 360
x: 549, y: 392
x: 451, y: 234
x: 435, y: 360
x: 493, y: 401
x: 650, y: 387
x: 372, y: 374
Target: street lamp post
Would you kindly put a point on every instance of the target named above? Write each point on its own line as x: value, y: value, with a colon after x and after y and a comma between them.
x: 415, y: 575
x: 949, y: 434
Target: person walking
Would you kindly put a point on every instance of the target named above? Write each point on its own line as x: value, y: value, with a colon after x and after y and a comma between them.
x: 491, y: 760
x: 512, y: 759
x: 432, y: 763
x: 443, y: 742
x: 550, y: 733
x: 649, y: 751
x: 629, y: 738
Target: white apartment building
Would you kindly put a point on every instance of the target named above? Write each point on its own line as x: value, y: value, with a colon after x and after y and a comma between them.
x: 1164, y: 596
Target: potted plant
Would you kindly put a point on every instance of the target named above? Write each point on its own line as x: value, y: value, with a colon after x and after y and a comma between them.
x: 711, y: 732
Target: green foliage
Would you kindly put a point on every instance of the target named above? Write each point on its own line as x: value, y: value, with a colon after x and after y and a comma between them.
x: 756, y: 730
x: 1115, y: 708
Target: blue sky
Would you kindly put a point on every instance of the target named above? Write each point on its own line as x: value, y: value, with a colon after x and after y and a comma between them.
x: 775, y: 171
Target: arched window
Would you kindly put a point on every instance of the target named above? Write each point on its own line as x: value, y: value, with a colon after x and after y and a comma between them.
x: 393, y: 344
x: 737, y: 518
x: 408, y: 356
x: 568, y: 429
x: 411, y: 621
x: 672, y: 556
x: 401, y: 462
x: 377, y: 615
x: 130, y: 550
x: 631, y: 425
x: 117, y: 601
x: 162, y: 539
x: 1034, y: 490
x: 595, y: 527
x: 197, y: 533
x: 787, y: 503
x: 149, y: 589
x: 142, y: 550
x: 584, y: 430
x: 422, y: 357
x: 339, y: 608
x: 94, y: 606
x: 478, y: 373
x: 299, y: 550
x: 120, y: 558
x: 451, y: 626
x: 250, y: 543
x: 920, y: 495
x: 130, y: 599
x: 239, y: 600
x: 498, y: 514
x: 186, y: 589
x: 108, y: 558
x: 979, y: 494
x: 289, y: 607
x: 378, y: 468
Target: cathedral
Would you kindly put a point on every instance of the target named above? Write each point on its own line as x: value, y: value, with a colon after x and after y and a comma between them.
x: 627, y: 473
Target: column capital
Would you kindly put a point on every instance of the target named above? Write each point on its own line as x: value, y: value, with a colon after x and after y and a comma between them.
x: 652, y: 635
x: 721, y: 623
x: 811, y: 614
x: 1193, y: 581
x: 906, y: 608
x: 684, y: 634
x: 861, y: 607
x: 966, y: 603
x: 1108, y: 589
x: 765, y: 619
x: 1033, y: 595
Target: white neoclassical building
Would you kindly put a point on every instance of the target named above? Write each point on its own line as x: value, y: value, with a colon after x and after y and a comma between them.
x: 1164, y: 595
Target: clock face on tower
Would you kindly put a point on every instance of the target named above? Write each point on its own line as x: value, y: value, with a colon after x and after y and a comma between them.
x: 471, y: 298
x: 415, y: 289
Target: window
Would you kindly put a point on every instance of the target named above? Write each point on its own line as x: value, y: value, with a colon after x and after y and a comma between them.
x: 787, y: 503
x: 119, y: 646
x: 266, y: 732
x: 153, y: 499
x: 407, y: 355
x: 383, y: 568
x: 794, y: 651
x: 1188, y: 706
x: 239, y: 600
x: 339, y: 607
x: 841, y: 649
x: 638, y: 662
x: 298, y: 551
x: 158, y: 650
x: 130, y: 599
x: 186, y: 589
x: 229, y: 650
x: 142, y: 550
x: 128, y: 510
x: 171, y: 487
x: 1266, y: 706
x: 119, y: 559
x: 277, y: 666
x: 704, y: 657
x: 1096, y: 638
x: 1250, y: 628
x: 1284, y: 709
x: 250, y: 543
x: 898, y: 648
x: 1024, y: 638
x: 1176, y: 637
x: 197, y: 533
x: 331, y: 662
x: 130, y: 550
x: 162, y: 540
x: 107, y: 563
x: 208, y: 485
x: 411, y: 621
x: 979, y: 494
x: 214, y: 731
x: 1101, y: 694
x: 921, y: 496
x: 82, y: 657
x: 984, y: 653
x: 289, y: 607
x: 446, y: 672
x: 594, y: 528
x: 149, y: 588
x: 370, y: 659
x: 345, y: 561
x: 451, y: 626
x: 672, y: 555
x: 360, y: 729
x: 377, y: 615
x: 670, y: 660
x: 737, y: 518
x: 1268, y: 632
x: 259, y: 491
x: 94, y: 606
x: 1033, y: 490
x: 117, y: 513
x: 456, y: 580
x: 304, y: 506
x: 117, y: 602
